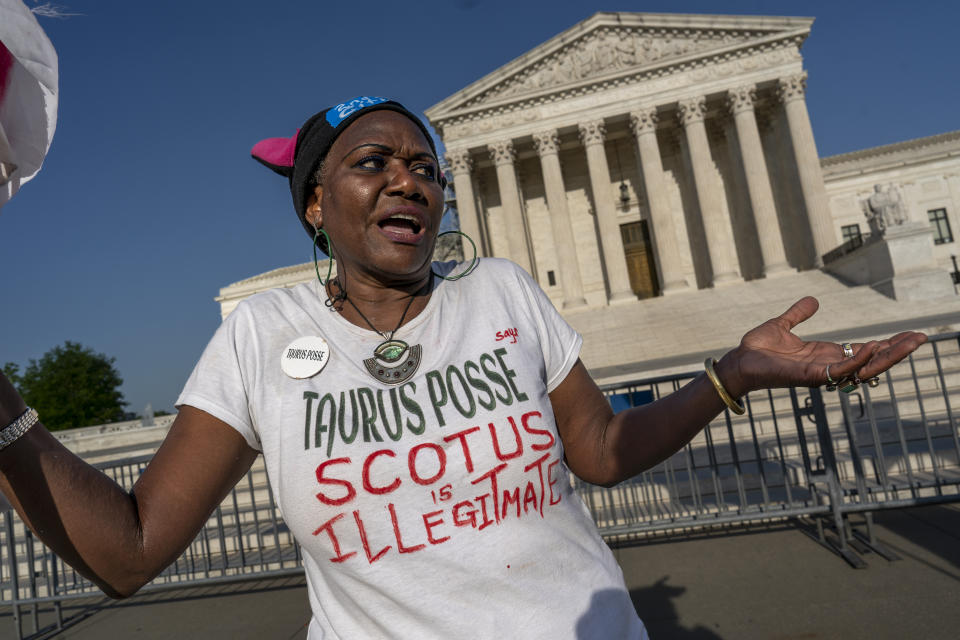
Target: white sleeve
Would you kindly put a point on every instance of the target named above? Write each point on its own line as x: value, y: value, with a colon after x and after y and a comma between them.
x: 559, y: 341
x: 219, y: 383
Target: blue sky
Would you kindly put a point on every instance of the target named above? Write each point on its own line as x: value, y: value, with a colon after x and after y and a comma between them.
x: 149, y: 202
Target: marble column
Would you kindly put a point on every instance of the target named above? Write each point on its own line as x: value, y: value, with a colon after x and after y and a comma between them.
x: 740, y: 101
x: 461, y: 166
x: 592, y: 135
x: 503, y: 155
x: 716, y: 222
x: 665, y: 231
x: 792, y: 90
x: 546, y: 144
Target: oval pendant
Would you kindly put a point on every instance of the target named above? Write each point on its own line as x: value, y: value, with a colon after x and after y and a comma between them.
x: 391, y: 350
x: 402, y: 371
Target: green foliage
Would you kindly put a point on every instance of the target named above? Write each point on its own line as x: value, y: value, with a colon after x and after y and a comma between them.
x: 12, y: 371
x: 72, y: 386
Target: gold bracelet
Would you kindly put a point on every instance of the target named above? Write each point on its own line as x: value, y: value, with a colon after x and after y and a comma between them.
x: 734, y: 406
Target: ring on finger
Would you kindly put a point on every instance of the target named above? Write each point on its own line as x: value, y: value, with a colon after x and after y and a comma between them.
x: 830, y: 381
x: 874, y: 381
x: 847, y: 350
x: 848, y: 385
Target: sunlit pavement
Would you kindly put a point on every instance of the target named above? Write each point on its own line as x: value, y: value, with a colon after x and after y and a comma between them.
x: 772, y: 582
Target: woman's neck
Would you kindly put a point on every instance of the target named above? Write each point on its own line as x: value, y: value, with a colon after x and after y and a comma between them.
x: 373, y: 305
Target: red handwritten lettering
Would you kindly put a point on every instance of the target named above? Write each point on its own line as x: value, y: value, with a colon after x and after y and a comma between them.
x: 412, y: 463
x: 462, y: 437
x: 458, y: 518
x: 551, y: 481
x: 366, y: 473
x: 529, y: 495
x: 371, y: 558
x: 430, y: 524
x: 507, y: 333
x: 396, y: 532
x: 510, y: 498
x: 524, y: 420
x: 427, y: 466
x: 538, y: 463
x: 322, y: 497
x: 492, y: 476
x: 328, y: 527
x: 483, y: 507
x: 496, y: 441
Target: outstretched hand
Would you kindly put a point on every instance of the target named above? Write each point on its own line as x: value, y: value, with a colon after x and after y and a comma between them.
x: 772, y: 356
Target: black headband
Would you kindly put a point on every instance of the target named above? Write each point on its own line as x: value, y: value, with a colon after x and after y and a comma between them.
x: 298, y: 157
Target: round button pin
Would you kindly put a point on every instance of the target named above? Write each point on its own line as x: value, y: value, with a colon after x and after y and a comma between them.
x: 305, y: 357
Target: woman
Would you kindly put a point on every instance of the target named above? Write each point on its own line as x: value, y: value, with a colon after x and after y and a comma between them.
x: 421, y: 462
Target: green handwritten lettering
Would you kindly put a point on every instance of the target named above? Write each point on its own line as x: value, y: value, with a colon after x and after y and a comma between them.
x: 326, y: 427
x: 496, y: 378
x: 309, y: 396
x: 347, y: 439
x: 435, y: 386
x: 412, y: 407
x: 479, y: 385
x: 368, y: 414
x: 471, y: 409
x: 511, y: 374
x: 393, y: 435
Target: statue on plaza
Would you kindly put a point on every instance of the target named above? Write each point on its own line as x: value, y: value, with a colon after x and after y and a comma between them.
x: 884, y: 209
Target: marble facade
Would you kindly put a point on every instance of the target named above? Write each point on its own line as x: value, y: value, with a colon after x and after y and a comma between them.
x: 685, y: 139
x: 925, y: 173
x: 660, y: 171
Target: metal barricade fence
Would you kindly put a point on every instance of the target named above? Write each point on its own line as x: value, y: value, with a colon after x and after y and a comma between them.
x: 795, y: 453
x: 243, y: 539
x: 762, y: 465
x: 899, y: 444
x: 802, y: 452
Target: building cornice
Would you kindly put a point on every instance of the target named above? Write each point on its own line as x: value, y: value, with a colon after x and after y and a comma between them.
x: 944, y: 145
x: 282, y: 277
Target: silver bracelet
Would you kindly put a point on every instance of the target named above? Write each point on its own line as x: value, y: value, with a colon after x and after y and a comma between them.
x: 12, y: 432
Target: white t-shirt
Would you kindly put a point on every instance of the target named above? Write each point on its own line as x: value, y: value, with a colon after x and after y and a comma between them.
x: 436, y: 508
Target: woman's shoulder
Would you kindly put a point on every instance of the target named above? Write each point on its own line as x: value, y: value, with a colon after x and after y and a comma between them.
x: 484, y: 267
x: 281, y: 300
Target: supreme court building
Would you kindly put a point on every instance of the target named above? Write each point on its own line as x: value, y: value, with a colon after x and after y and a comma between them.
x: 652, y: 170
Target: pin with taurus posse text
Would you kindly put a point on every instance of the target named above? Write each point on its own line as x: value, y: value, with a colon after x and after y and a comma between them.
x: 305, y: 357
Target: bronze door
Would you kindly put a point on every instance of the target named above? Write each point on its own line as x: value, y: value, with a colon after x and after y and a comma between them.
x: 640, y: 263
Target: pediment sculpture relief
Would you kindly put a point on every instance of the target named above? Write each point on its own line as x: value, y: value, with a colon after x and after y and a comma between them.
x: 608, y: 50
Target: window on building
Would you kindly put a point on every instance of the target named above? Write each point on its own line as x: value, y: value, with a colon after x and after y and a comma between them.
x: 941, y: 226
x: 851, y: 232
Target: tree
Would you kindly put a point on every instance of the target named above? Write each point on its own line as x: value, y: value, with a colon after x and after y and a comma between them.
x: 71, y: 386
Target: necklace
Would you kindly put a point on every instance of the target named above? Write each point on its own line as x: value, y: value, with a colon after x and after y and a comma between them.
x: 393, y: 361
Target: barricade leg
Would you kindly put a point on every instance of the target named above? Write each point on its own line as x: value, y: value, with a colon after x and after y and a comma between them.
x: 870, y: 541
x: 14, y: 577
x: 833, y: 481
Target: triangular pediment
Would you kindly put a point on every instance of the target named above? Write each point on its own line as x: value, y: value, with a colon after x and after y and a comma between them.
x: 609, y: 45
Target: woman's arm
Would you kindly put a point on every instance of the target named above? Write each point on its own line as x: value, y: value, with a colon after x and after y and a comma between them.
x: 605, y: 449
x: 121, y: 540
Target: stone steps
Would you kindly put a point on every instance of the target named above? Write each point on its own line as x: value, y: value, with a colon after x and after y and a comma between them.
x: 672, y: 334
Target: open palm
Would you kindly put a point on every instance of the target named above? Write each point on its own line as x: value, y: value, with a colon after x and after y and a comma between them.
x: 772, y: 356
